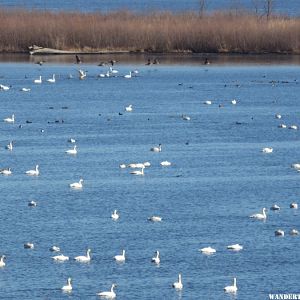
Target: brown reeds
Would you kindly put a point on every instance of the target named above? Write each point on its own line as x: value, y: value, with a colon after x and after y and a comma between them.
x: 155, y: 32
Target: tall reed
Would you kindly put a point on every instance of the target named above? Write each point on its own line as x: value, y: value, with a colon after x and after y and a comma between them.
x: 218, y: 32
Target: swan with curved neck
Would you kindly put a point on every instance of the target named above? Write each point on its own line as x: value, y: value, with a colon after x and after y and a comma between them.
x: 138, y: 172
x: 52, y: 80
x: 38, y: 80
x: 111, y: 294
x: 10, y: 120
x: 83, y: 258
x: 35, y: 172
x: 77, y: 185
x: 259, y: 216
x: 72, y: 151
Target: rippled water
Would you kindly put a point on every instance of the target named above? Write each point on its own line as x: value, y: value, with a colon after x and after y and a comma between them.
x: 291, y: 7
x: 218, y: 177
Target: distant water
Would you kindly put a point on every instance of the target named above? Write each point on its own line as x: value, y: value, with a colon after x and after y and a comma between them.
x: 290, y: 7
x: 218, y: 177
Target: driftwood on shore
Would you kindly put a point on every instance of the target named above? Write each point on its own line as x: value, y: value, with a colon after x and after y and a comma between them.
x: 34, y: 49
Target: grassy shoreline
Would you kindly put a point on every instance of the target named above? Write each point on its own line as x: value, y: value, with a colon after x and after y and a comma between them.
x: 157, y: 32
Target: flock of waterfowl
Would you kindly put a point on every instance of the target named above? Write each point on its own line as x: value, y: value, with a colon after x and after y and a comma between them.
x: 178, y: 285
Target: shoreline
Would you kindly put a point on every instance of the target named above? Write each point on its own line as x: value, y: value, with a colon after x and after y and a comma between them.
x: 139, y: 58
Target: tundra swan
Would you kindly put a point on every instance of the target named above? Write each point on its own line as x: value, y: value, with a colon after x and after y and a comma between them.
x: 231, y: 288
x: 68, y: 287
x: 83, y: 258
x: 178, y: 284
x: 77, y: 185
x: 111, y: 294
x: 156, y: 258
x: 10, y: 120
x: 120, y: 258
x: 260, y: 216
x: 35, y: 172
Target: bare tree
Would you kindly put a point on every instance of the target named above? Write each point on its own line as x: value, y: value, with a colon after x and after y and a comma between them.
x: 202, y: 7
x: 256, y: 5
x: 269, y: 5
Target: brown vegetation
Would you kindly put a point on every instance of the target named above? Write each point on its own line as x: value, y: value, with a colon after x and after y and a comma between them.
x: 156, y: 32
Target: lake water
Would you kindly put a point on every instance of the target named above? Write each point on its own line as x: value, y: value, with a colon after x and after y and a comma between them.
x: 290, y: 7
x: 218, y: 177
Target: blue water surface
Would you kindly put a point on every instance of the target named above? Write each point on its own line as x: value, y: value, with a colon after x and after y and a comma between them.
x: 289, y: 7
x: 218, y: 177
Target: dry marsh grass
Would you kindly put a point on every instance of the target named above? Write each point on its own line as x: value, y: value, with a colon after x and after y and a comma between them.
x: 156, y: 32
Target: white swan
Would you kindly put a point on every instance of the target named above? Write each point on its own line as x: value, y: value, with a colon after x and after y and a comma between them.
x: 111, y: 294
x: 72, y: 151
x: 2, y: 263
x: 122, y: 166
x: 295, y: 127
x: 25, y: 90
x: 267, y: 150
x: 82, y: 74
x: 38, y: 80
x: 138, y: 172
x: 29, y: 246
x: 208, y: 102
x: 52, y: 80
x: 165, y: 163
x: 71, y: 140
x: 275, y: 207
x: 32, y: 203
x: 54, y: 249
x: 185, y: 118
x: 178, y: 284
x: 6, y: 171
x: 120, y: 258
x: 129, y: 108
x: 156, y: 149
x: 137, y: 165
x: 9, y: 146
x: 60, y: 257
x: 231, y: 288
x: 113, y: 71
x: 235, y: 247
x: 35, y: 172
x: 294, y: 205
x: 208, y: 250
x: 115, y: 215
x: 296, y: 166
x: 156, y: 258
x: 233, y: 102
x: 282, y: 126
x: 83, y: 258
x: 68, y: 287
x: 259, y: 216
x: 128, y: 75
x: 155, y: 219
x: 279, y: 232
x: 77, y: 185
x: 4, y: 87
x: 278, y: 116
x: 10, y: 120
x: 294, y: 232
